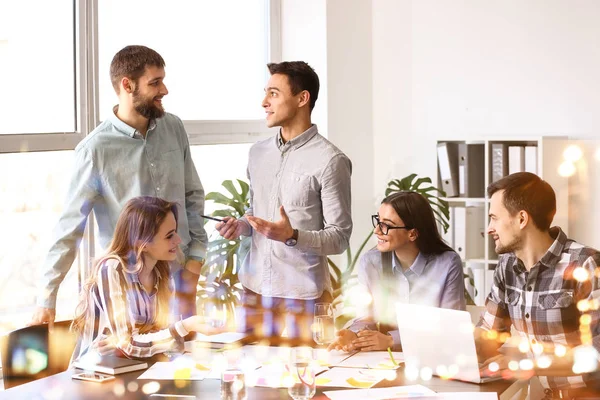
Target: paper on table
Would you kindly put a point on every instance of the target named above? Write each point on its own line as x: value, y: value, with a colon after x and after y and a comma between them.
x: 461, y: 396
x: 353, y: 377
x: 380, y: 393
x: 274, y: 375
x: 184, y: 369
x: 372, y: 359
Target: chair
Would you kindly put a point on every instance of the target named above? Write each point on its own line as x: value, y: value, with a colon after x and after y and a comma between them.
x: 35, y: 352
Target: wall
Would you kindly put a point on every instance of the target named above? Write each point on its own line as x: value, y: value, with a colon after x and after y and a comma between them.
x: 350, y: 106
x: 304, y: 38
x: 469, y: 69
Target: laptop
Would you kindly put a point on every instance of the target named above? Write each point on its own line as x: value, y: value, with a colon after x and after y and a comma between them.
x: 440, y: 339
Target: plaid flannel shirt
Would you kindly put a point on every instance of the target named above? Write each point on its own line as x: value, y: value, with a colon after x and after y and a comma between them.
x: 542, y: 303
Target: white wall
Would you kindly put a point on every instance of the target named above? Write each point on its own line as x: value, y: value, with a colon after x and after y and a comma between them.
x: 402, y: 74
x: 304, y: 38
x: 470, y: 68
x: 350, y: 106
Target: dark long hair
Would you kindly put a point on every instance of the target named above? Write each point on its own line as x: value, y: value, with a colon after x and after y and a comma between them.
x: 416, y: 212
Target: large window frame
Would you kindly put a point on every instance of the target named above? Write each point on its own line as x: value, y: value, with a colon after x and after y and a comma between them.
x: 200, y: 132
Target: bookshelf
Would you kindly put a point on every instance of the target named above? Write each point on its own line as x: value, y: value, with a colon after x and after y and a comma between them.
x: 469, y: 215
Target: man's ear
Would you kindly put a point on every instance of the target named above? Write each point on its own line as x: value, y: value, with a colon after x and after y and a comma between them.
x: 303, y: 98
x: 128, y: 85
x: 523, y: 218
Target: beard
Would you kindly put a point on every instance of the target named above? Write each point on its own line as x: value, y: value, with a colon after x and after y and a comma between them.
x: 510, y: 247
x: 145, y: 106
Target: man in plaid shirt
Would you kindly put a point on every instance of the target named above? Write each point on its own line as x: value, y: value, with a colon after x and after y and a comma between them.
x: 545, y: 285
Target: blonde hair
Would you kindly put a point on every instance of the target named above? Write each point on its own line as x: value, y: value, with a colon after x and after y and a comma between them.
x: 136, y: 227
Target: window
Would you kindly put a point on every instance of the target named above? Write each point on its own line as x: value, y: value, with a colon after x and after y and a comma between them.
x: 54, y: 66
x: 215, y: 164
x: 215, y: 53
x: 37, y: 67
x: 31, y: 200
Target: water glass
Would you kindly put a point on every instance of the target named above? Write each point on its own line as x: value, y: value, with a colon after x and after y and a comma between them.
x: 233, y: 384
x: 302, y: 365
x: 323, y: 326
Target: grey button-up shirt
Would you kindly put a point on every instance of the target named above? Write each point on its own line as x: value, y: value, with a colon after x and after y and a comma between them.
x: 113, y: 164
x: 310, y: 177
x: 432, y: 280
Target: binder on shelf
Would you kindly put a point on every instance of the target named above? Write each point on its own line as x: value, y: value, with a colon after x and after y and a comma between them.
x: 499, y: 159
x: 469, y: 232
x: 448, y: 167
x: 471, y: 170
x: 531, y: 159
x: 516, y: 159
x: 449, y: 236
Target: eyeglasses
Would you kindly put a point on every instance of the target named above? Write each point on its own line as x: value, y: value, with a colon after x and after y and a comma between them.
x: 383, y: 227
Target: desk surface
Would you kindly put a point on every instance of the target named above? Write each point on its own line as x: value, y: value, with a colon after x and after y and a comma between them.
x: 127, y: 386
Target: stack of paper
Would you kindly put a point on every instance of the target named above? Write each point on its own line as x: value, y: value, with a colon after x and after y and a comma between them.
x: 354, y: 377
x: 394, y: 392
x: 372, y: 359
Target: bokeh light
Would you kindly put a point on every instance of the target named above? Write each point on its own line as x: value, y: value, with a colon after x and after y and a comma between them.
x: 566, y: 169
x: 573, y: 153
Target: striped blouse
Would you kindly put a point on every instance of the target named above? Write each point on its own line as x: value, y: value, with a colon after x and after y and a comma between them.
x: 124, y: 309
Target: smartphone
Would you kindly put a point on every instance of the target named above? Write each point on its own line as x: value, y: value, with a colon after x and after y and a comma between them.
x: 93, y: 377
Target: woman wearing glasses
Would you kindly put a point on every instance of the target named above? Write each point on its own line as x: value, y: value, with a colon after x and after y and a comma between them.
x: 411, y: 264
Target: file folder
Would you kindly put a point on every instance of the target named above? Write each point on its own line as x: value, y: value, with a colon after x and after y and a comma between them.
x: 448, y: 167
x: 499, y: 168
x: 471, y: 170
x: 531, y: 159
x: 516, y: 159
x: 469, y: 232
x: 448, y: 237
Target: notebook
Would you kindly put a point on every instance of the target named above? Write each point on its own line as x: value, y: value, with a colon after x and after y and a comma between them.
x: 110, y: 364
x: 219, y: 341
x: 433, y: 337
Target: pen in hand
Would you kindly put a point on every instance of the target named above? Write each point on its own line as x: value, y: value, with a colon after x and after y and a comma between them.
x: 212, y: 218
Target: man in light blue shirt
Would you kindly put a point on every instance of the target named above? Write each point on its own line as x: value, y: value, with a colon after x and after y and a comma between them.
x: 138, y: 151
x: 299, y: 204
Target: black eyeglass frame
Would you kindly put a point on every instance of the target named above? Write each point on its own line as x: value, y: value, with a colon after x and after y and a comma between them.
x: 376, y: 222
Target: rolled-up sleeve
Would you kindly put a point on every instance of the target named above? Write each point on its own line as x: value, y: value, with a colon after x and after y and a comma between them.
x: 334, y: 238
x: 83, y: 191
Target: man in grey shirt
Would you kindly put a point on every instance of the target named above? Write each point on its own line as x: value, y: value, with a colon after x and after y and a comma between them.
x: 299, y: 203
x: 138, y: 151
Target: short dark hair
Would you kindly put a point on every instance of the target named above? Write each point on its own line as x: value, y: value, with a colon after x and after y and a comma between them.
x: 131, y: 62
x: 416, y: 213
x: 301, y: 77
x: 528, y: 192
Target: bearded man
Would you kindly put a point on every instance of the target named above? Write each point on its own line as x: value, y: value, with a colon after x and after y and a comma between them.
x: 140, y: 150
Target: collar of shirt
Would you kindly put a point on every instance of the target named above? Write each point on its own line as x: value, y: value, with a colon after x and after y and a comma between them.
x: 552, y: 256
x: 417, y: 266
x: 135, y: 278
x: 126, y: 129
x: 298, y: 141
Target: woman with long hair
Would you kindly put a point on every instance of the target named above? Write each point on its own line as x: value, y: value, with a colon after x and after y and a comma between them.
x: 411, y: 264
x: 126, y: 300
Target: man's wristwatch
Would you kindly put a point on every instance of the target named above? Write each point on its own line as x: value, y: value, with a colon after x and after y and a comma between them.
x: 293, y: 240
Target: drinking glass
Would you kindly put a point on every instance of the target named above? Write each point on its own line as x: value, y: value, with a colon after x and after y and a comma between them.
x: 233, y: 384
x: 323, y: 328
x: 302, y: 365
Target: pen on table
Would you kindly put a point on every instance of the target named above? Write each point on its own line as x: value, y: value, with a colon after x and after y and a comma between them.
x: 212, y: 218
